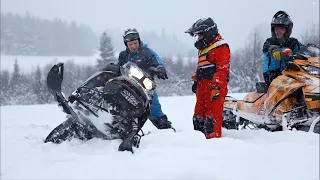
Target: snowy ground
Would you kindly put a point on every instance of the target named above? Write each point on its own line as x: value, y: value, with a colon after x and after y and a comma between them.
x: 239, y: 155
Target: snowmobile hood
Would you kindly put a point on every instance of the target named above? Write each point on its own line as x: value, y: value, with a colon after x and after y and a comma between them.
x: 314, y: 61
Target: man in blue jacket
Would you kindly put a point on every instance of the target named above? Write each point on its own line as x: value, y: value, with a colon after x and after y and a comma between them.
x: 145, y: 58
x: 274, y: 56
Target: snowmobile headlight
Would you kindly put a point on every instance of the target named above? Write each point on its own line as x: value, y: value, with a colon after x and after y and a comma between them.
x: 135, y: 72
x: 311, y: 70
x: 148, y: 84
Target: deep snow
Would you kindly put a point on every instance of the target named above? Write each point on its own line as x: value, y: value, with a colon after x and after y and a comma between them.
x: 163, y: 154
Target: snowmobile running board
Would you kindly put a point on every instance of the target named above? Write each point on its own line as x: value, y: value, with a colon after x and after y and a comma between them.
x: 232, y: 99
x: 313, y: 124
x: 287, y: 126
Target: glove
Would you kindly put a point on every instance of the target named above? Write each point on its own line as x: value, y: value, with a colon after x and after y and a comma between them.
x: 160, y: 72
x: 279, y: 53
x: 194, y: 77
x: 163, y: 75
x: 275, y: 52
x: 276, y: 55
x: 194, y: 87
x: 286, y: 52
x: 215, y: 92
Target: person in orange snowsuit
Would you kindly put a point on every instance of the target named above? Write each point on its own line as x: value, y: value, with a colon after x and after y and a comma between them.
x: 211, y: 77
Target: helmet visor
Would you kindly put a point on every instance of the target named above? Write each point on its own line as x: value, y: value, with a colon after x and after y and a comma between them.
x: 281, y: 22
x: 131, y: 37
x: 194, y: 34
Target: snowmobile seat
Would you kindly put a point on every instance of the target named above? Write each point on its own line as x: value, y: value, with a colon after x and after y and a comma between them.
x: 261, y: 87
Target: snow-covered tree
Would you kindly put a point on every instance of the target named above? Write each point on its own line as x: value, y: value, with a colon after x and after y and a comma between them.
x: 106, y: 51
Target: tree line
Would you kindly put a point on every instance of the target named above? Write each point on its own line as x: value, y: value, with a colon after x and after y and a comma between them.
x: 245, y: 70
x: 29, y: 35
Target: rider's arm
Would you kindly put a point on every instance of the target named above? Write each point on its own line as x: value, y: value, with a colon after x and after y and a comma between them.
x: 155, y: 61
x: 157, y: 57
x: 222, y: 61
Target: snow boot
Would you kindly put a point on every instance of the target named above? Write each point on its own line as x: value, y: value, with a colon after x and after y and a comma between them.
x: 198, y: 124
x: 209, y: 128
x: 162, y: 122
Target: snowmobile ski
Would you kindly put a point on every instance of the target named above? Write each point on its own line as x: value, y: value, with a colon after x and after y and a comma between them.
x: 54, y: 80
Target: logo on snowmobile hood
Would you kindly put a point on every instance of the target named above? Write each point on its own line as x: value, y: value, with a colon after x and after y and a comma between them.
x: 129, y: 97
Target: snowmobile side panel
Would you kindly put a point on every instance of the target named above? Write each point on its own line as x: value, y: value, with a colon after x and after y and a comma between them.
x: 279, y: 89
x: 127, y: 101
x: 253, y: 97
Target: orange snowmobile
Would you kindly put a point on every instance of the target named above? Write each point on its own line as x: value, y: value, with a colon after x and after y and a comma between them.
x: 292, y: 100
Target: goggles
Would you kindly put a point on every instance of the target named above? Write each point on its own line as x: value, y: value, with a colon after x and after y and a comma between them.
x: 131, y: 37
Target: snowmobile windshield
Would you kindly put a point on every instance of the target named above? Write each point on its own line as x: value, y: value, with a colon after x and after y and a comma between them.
x: 308, y: 51
x: 133, y: 71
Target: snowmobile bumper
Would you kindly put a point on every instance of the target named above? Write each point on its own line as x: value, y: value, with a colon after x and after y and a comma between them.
x: 288, y: 124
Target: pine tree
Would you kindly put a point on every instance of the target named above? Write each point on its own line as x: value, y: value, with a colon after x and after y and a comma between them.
x: 15, y: 79
x: 106, y: 51
x: 15, y: 84
x: 4, y: 87
x: 38, y: 87
x: 179, y: 66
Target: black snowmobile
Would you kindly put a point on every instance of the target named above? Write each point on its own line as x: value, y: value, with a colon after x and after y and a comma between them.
x: 122, y: 92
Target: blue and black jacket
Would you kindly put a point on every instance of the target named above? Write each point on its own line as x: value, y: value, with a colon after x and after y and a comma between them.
x: 144, y: 57
x: 270, y: 64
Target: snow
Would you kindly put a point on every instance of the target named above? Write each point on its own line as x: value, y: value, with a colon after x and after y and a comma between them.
x: 163, y: 154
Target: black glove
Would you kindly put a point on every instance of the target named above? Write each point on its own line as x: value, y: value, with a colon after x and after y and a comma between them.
x: 160, y: 72
x: 194, y: 87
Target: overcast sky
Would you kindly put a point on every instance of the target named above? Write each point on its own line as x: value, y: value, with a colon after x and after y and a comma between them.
x: 235, y: 18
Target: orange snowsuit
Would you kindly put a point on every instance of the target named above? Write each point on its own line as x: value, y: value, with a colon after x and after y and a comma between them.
x: 212, y: 70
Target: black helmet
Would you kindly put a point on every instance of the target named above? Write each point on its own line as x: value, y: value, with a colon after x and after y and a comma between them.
x: 130, y: 35
x: 282, y: 19
x: 206, y: 27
